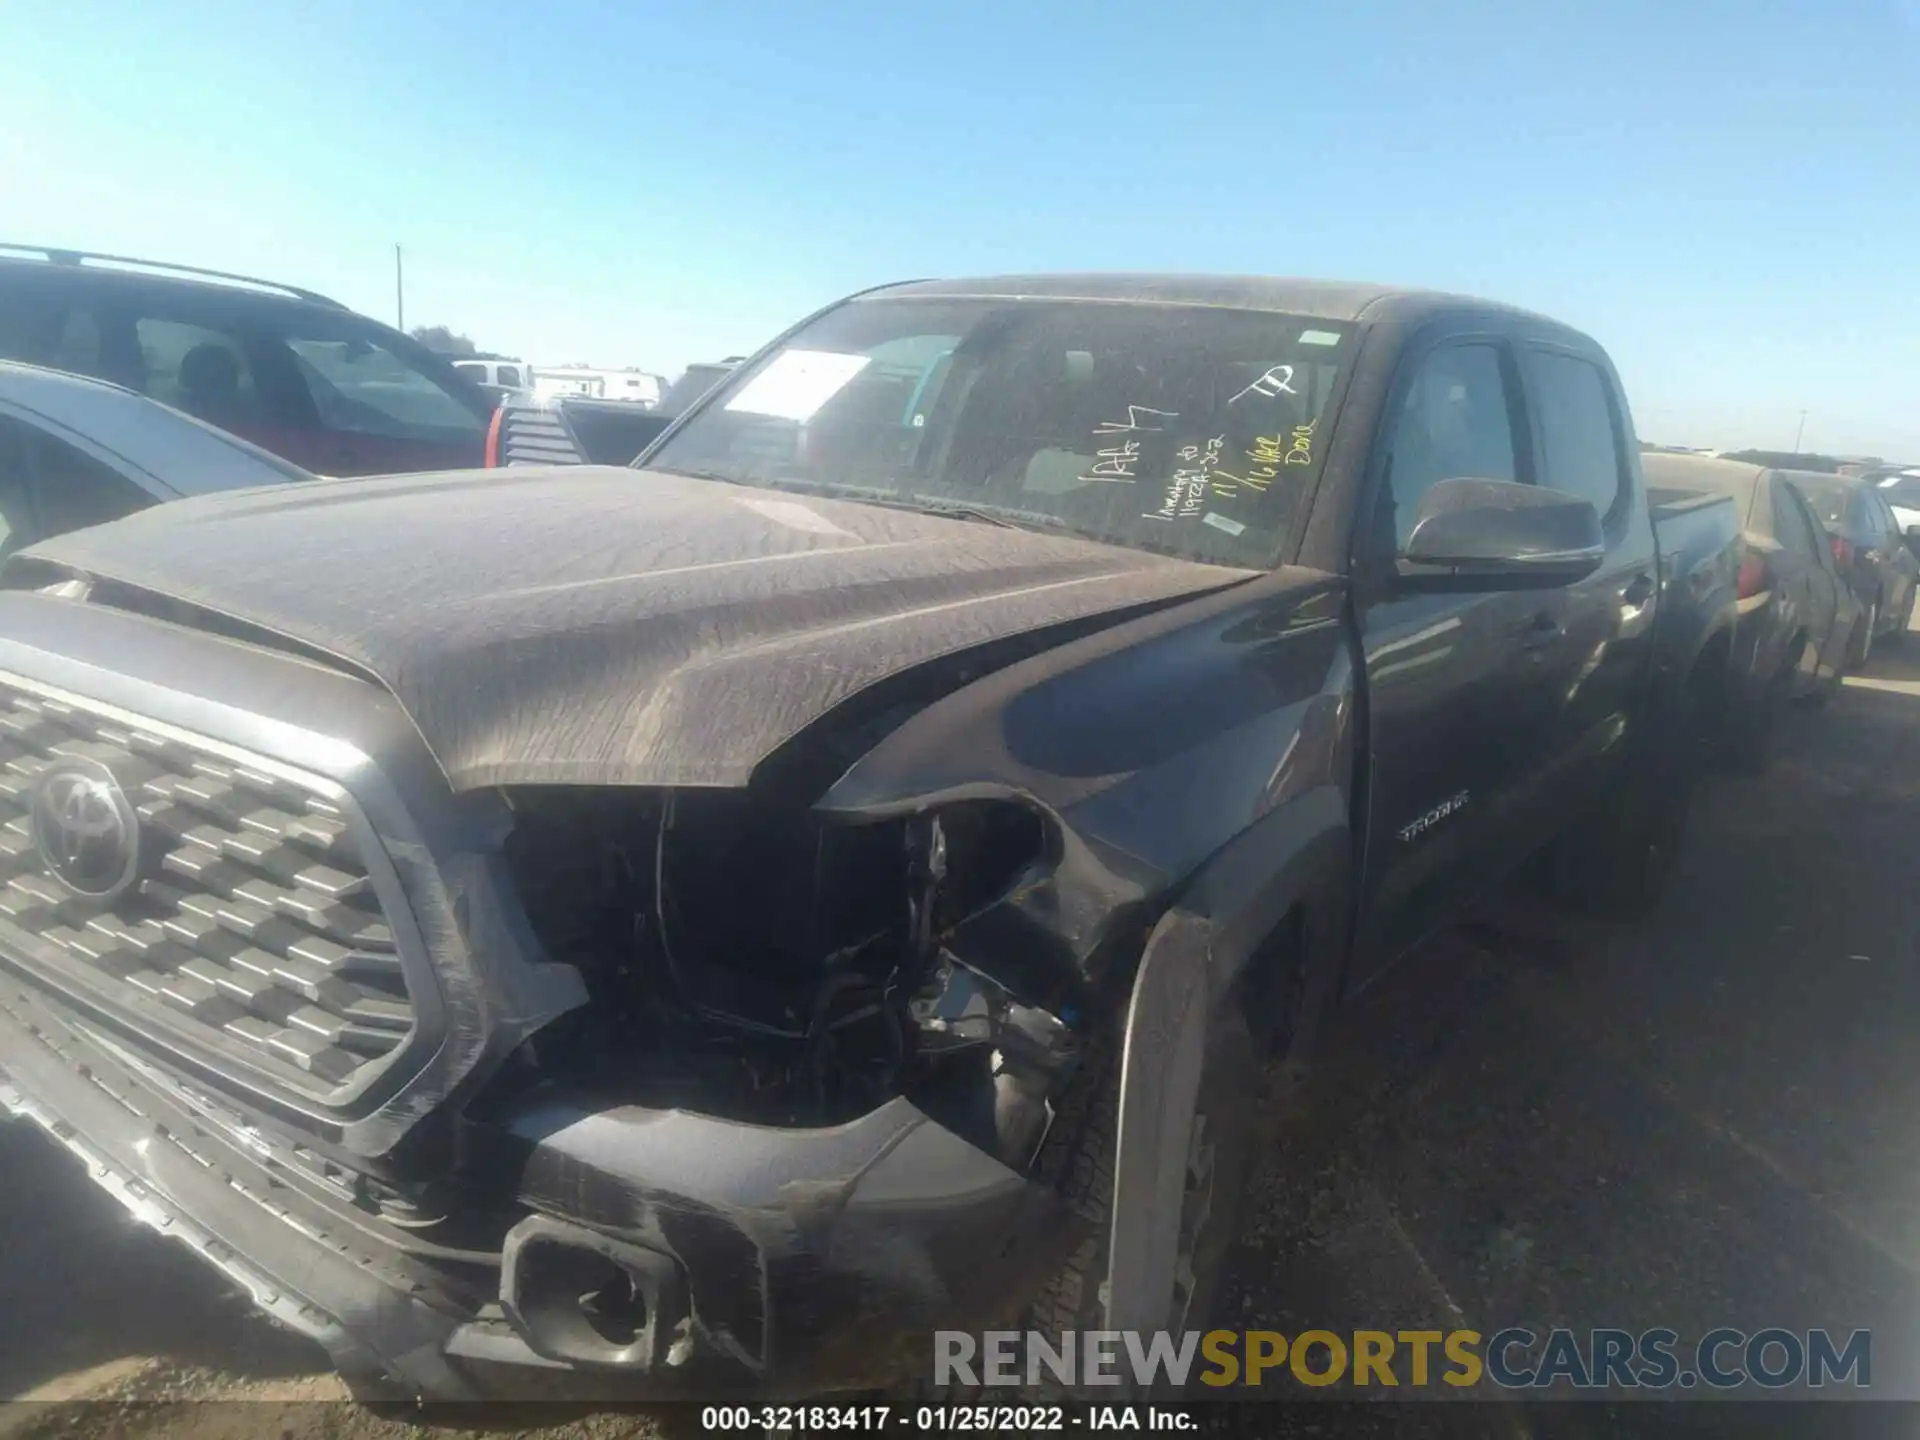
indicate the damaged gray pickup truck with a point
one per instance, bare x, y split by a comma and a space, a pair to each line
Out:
695, 928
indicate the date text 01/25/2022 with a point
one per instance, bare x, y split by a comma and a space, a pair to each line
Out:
923, 1419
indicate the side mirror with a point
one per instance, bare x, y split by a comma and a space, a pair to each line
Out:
1502, 535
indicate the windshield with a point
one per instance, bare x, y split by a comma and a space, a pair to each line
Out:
1189, 431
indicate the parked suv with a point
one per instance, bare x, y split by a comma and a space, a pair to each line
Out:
292, 371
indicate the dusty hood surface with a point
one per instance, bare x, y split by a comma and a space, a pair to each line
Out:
589, 624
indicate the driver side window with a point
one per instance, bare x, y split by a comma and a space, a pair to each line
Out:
1455, 421
362, 388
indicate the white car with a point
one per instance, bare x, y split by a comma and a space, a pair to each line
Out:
75, 452
1902, 494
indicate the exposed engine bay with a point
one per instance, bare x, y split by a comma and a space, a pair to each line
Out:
758, 962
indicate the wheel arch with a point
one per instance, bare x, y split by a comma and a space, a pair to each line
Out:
1269, 916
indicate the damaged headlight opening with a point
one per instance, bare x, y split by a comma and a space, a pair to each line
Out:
767, 964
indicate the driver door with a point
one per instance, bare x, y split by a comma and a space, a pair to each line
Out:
1462, 687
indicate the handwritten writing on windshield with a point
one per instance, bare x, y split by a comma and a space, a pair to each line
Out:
1277, 381
1137, 416
1186, 491
1266, 455
1116, 462
1119, 462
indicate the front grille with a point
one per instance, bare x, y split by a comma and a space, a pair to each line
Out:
534, 436
252, 921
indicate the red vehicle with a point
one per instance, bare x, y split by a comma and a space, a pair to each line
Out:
294, 372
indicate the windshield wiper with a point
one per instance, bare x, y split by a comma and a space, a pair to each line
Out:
892, 500
984, 514
634, 464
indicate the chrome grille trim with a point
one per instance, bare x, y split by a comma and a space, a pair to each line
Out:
260, 925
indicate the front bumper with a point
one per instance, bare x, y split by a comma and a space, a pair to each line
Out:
769, 1262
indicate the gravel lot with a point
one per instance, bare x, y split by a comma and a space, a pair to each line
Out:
1708, 1119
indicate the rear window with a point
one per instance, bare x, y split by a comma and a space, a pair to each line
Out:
1828, 499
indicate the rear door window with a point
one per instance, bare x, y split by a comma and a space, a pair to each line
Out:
360, 387
203, 371
1580, 439
78, 347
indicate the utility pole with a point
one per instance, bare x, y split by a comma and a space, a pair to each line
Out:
1801, 432
400, 294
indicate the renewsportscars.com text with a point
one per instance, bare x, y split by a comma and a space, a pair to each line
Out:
1512, 1359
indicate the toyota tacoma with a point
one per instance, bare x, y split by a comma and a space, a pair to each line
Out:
669, 933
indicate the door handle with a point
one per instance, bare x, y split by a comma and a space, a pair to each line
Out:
1543, 629
1639, 590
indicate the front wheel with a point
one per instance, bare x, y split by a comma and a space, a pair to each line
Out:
1080, 1155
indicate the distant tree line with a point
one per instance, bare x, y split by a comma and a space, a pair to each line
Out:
442, 341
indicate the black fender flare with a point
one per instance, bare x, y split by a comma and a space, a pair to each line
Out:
1299, 857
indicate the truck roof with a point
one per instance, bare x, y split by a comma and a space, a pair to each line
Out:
1320, 299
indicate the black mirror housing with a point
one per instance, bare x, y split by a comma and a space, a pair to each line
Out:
1500, 534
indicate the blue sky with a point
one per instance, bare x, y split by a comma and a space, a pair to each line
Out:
1725, 192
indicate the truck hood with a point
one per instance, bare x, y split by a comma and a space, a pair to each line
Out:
600, 625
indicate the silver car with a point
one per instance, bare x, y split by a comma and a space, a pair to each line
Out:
76, 452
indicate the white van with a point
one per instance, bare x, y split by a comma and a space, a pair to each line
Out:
638, 386
497, 374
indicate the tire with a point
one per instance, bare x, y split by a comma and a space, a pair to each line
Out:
1616, 864
1860, 650
1078, 1158
1824, 690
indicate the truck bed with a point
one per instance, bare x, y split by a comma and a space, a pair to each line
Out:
1668, 501
574, 430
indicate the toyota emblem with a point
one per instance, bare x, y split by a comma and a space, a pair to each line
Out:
85, 830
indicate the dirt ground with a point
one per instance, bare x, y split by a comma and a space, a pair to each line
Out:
1708, 1119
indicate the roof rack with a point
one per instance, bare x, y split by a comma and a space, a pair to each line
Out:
55, 255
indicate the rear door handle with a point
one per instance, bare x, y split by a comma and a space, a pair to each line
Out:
1639, 590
